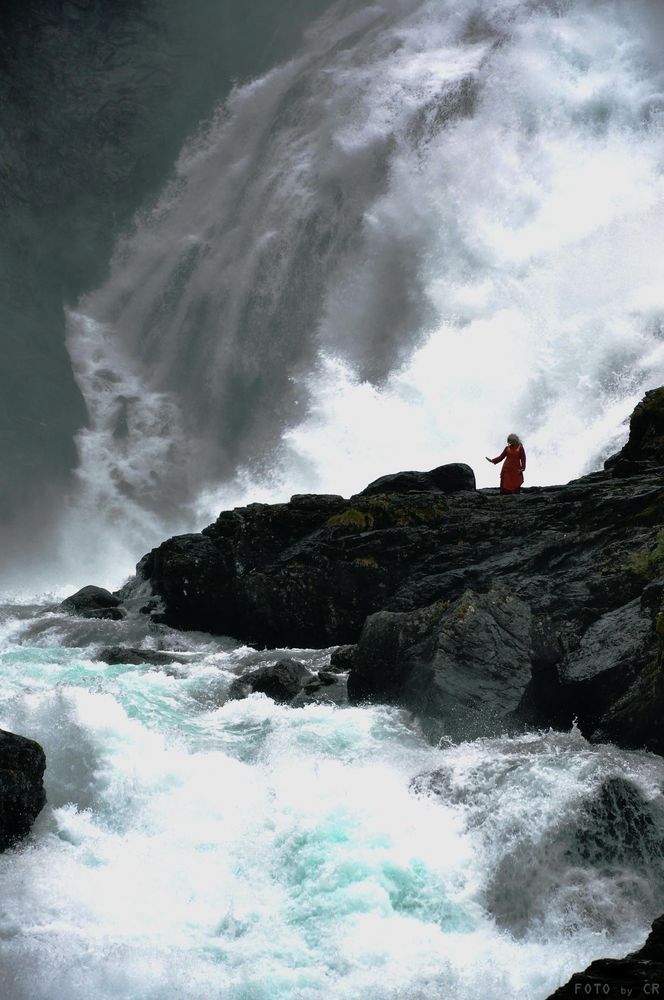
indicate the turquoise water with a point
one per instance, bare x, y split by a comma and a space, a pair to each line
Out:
194, 847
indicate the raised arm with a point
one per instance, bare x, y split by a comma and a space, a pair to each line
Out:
499, 457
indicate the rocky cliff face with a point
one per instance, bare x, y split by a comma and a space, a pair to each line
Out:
476, 611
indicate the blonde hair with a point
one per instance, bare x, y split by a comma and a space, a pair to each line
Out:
513, 439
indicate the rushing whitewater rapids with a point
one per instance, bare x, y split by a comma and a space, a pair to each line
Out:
439, 222
197, 848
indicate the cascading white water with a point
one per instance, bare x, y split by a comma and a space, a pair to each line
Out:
439, 223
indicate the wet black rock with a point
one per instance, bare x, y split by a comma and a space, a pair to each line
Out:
444, 479
328, 677
640, 974
305, 574
462, 666
645, 446
342, 659
93, 602
22, 796
130, 654
323, 689
475, 610
289, 682
280, 681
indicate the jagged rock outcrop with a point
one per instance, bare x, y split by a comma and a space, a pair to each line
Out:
640, 974
460, 666
645, 445
306, 573
22, 796
565, 584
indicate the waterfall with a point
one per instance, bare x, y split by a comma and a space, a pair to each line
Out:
438, 223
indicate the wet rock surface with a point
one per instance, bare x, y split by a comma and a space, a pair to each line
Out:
93, 602
289, 682
280, 681
129, 654
461, 666
22, 796
640, 974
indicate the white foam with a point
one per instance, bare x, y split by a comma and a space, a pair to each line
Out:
258, 850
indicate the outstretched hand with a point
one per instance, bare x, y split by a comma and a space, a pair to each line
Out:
489, 459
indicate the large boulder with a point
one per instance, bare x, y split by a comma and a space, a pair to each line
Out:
302, 574
93, 602
444, 479
22, 796
609, 678
639, 974
280, 681
462, 667
289, 682
132, 655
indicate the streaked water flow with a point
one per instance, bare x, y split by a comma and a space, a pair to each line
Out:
439, 222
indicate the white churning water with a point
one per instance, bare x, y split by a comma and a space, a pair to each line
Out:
196, 849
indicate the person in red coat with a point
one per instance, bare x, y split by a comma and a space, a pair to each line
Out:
514, 466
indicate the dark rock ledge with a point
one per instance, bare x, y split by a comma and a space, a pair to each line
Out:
22, 796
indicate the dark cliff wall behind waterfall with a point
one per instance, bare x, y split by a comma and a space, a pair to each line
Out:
96, 97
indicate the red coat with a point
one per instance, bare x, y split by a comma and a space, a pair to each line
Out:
511, 474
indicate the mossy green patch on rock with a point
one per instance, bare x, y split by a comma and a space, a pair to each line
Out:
466, 607
353, 518
384, 512
400, 515
647, 563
